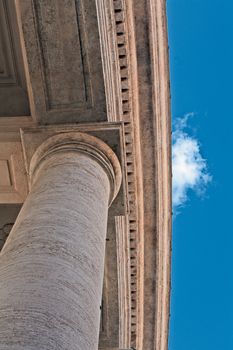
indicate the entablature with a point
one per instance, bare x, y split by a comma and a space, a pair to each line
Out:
102, 67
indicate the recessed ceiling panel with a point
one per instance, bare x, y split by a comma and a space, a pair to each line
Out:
64, 60
13, 91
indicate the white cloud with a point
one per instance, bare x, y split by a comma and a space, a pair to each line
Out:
188, 167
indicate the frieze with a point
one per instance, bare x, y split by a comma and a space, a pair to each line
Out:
124, 71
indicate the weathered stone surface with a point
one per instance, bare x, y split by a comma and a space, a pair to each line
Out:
12, 77
131, 37
62, 57
51, 267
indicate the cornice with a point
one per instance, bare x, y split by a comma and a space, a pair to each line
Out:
142, 50
152, 108
161, 104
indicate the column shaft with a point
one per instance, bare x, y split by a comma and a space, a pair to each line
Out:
51, 267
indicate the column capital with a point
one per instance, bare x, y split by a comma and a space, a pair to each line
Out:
79, 142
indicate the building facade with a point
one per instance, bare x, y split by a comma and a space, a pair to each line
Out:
85, 175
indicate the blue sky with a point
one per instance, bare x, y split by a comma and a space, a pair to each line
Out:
201, 66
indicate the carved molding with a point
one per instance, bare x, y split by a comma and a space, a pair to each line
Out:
140, 34
114, 49
161, 106
13, 180
109, 55
116, 59
150, 120
10, 127
124, 290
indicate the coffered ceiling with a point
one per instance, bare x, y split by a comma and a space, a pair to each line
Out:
12, 75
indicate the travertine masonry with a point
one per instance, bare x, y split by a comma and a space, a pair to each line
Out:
51, 267
98, 67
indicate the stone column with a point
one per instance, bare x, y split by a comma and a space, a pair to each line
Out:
51, 267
